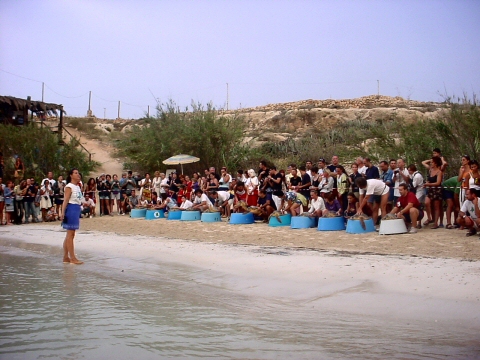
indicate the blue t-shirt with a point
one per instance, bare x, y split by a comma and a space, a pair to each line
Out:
263, 201
372, 173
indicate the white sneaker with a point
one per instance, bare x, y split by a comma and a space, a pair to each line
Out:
413, 230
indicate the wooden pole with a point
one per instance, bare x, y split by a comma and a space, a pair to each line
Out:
60, 126
119, 110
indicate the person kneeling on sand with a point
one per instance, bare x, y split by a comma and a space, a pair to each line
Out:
317, 205
201, 201
469, 215
223, 200
88, 206
332, 205
266, 204
294, 203
407, 208
51, 215
167, 203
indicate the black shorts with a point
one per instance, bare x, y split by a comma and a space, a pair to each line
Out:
409, 220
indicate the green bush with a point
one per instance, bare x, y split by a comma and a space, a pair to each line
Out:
40, 151
199, 131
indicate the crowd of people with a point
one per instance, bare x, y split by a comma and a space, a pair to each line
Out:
309, 189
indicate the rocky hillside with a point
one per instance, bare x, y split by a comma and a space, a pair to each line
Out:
278, 122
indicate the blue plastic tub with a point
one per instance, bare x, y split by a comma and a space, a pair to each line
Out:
286, 220
155, 214
211, 217
354, 226
138, 213
174, 215
302, 222
239, 218
331, 224
190, 216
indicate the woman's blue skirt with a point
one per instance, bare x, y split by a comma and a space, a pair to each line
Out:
72, 217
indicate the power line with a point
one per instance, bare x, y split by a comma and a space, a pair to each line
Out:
65, 96
22, 77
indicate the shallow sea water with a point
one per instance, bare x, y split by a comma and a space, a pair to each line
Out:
120, 309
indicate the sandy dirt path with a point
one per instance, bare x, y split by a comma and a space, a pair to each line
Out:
101, 152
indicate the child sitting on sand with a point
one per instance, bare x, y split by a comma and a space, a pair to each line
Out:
51, 215
143, 203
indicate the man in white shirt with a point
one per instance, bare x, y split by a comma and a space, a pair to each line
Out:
201, 201
401, 176
164, 185
317, 205
50, 179
416, 182
373, 187
470, 205
362, 169
327, 182
223, 199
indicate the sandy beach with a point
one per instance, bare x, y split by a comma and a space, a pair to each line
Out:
438, 243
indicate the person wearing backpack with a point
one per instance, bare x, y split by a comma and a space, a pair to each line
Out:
415, 183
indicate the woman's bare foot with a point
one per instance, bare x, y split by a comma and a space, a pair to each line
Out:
76, 262
66, 260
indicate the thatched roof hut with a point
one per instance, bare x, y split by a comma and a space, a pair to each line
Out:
14, 111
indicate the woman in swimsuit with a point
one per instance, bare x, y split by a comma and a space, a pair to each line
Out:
462, 174
472, 179
434, 192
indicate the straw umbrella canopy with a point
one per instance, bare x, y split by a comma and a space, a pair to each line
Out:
180, 160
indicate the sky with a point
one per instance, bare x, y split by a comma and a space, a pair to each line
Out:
147, 51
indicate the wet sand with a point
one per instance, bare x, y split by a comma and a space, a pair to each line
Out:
408, 302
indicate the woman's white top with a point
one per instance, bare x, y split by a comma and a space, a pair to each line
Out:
76, 197
156, 182
251, 184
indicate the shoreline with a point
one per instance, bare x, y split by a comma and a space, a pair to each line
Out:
439, 243
377, 300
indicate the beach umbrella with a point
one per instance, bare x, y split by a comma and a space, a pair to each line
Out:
180, 160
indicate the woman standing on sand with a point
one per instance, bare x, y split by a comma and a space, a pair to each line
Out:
70, 215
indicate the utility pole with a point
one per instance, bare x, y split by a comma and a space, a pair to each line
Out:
89, 112
43, 91
148, 111
378, 87
119, 110
227, 96
104, 113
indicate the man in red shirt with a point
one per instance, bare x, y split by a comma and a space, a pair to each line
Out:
407, 208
